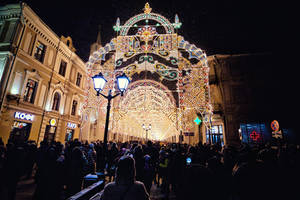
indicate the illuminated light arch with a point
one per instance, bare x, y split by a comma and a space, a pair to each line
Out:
194, 52
101, 53
160, 99
155, 84
155, 104
192, 85
169, 29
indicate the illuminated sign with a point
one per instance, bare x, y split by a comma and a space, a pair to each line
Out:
19, 124
71, 125
52, 122
26, 116
277, 134
254, 136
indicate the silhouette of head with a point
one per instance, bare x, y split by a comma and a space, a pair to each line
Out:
125, 173
149, 143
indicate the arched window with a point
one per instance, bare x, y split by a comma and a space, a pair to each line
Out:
56, 101
74, 106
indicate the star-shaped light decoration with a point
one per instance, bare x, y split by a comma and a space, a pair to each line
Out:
197, 121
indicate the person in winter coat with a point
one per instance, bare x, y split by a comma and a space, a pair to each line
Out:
125, 187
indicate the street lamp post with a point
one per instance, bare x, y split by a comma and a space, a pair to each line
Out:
147, 129
99, 83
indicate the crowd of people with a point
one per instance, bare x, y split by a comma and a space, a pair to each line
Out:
203, 171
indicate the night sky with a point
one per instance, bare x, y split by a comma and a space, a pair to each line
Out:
226, 27
216, 26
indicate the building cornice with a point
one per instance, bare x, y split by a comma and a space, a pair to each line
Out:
26, 107
37, 25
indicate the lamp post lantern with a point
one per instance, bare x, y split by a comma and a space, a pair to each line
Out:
147, 129
99, 83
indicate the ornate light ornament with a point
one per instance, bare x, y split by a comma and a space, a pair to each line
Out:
147, 8
117, 27
177, 23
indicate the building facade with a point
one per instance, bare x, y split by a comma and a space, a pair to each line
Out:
42, 79
249, 92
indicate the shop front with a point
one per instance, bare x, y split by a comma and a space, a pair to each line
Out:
214, 135
50, 130
21, 127
70, 131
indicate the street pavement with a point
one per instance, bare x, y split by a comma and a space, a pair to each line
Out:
26, 188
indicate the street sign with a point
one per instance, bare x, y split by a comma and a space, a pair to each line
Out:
277, 134
255, 136
275, 125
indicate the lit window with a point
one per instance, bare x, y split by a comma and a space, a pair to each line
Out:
74, 106
40, 50
215, 135
62, 68
78, 80
56, 101
30, 91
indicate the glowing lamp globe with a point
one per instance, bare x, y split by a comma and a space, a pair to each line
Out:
99, 82
123, 82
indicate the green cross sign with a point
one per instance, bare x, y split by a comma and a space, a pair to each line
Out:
198, 121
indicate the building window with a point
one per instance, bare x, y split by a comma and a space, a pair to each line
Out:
215, 135
74, 106
40, 50
78, 80
56, 101
30, 91
62, 68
